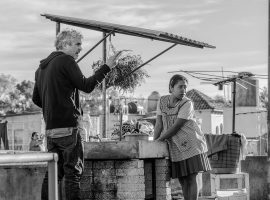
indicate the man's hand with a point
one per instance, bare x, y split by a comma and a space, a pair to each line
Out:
113, 60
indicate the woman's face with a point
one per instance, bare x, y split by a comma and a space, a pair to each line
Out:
36, 137
179, 89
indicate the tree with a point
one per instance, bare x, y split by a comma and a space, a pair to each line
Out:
17, 97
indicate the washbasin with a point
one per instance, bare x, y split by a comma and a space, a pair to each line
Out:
140, 149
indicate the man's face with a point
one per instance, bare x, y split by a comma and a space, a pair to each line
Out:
73, 49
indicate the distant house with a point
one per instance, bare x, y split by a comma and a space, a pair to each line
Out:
208, 112
20, 127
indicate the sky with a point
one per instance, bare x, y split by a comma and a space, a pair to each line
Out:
238, 29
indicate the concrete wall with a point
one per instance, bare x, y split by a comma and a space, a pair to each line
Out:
258, 169
216, 123
210, 120
20, 128
102, 180
21, 182
205, 116
252, 121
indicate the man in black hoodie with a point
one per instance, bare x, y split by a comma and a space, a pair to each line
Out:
57, 83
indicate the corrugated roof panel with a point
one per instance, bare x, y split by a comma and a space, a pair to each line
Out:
127, 30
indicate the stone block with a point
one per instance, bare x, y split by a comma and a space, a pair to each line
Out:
130, 172
123, 187
130, 179
108, 164
105, 195
127, 164
163, 184
162, 162
131, 195
162, 170
86, 182
88, 164
103, 172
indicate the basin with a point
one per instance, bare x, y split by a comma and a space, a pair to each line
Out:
140, 149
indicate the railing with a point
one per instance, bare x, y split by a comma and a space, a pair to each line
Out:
51, 158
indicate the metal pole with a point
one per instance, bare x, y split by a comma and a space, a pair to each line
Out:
104, 38
103, 124
233, 115
154, 58
268, 104
53, 178
57, 27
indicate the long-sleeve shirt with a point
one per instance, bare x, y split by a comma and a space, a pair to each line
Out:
57, 83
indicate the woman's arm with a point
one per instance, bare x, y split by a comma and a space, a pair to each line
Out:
179, 122
158, 127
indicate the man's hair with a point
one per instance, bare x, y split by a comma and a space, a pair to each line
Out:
66, 37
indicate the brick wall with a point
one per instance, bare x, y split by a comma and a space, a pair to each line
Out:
127, 180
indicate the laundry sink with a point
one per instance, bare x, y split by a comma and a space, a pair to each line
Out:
140, 149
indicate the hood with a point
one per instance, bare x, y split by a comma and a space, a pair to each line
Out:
44, 63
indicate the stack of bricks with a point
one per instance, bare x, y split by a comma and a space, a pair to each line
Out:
125, 180
130, 179
162, 172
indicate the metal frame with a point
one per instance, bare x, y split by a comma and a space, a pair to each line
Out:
51, 158
110, 28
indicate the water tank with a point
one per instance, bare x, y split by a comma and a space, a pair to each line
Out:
152, 101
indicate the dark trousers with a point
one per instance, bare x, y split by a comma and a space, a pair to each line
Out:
70, 164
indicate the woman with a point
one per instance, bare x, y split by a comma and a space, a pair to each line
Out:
36, 143
187, 146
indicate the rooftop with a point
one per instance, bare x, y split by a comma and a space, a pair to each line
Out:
203, 102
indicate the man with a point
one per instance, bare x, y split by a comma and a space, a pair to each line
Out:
57, 82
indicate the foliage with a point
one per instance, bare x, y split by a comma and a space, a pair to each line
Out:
120, 77
264, 97
16, 97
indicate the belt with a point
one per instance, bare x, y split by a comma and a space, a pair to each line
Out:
59, 132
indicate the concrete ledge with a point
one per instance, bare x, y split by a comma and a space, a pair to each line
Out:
125, 150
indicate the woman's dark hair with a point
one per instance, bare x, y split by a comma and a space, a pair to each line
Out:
175, 79
33, 134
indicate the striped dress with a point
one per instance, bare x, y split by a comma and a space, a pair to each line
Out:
188, 146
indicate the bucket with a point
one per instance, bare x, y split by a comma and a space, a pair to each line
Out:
224, 153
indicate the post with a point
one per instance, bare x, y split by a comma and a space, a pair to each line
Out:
57, 27
53, 179
268, 104
233, 115
103, 121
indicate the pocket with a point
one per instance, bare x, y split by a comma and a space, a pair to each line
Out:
68, 142
182, 141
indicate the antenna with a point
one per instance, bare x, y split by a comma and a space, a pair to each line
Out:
240, 76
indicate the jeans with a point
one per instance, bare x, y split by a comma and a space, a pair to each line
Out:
70, 164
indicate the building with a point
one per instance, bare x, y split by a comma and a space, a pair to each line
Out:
209, 113
20, 128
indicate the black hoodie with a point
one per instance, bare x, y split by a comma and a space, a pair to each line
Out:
57, 81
